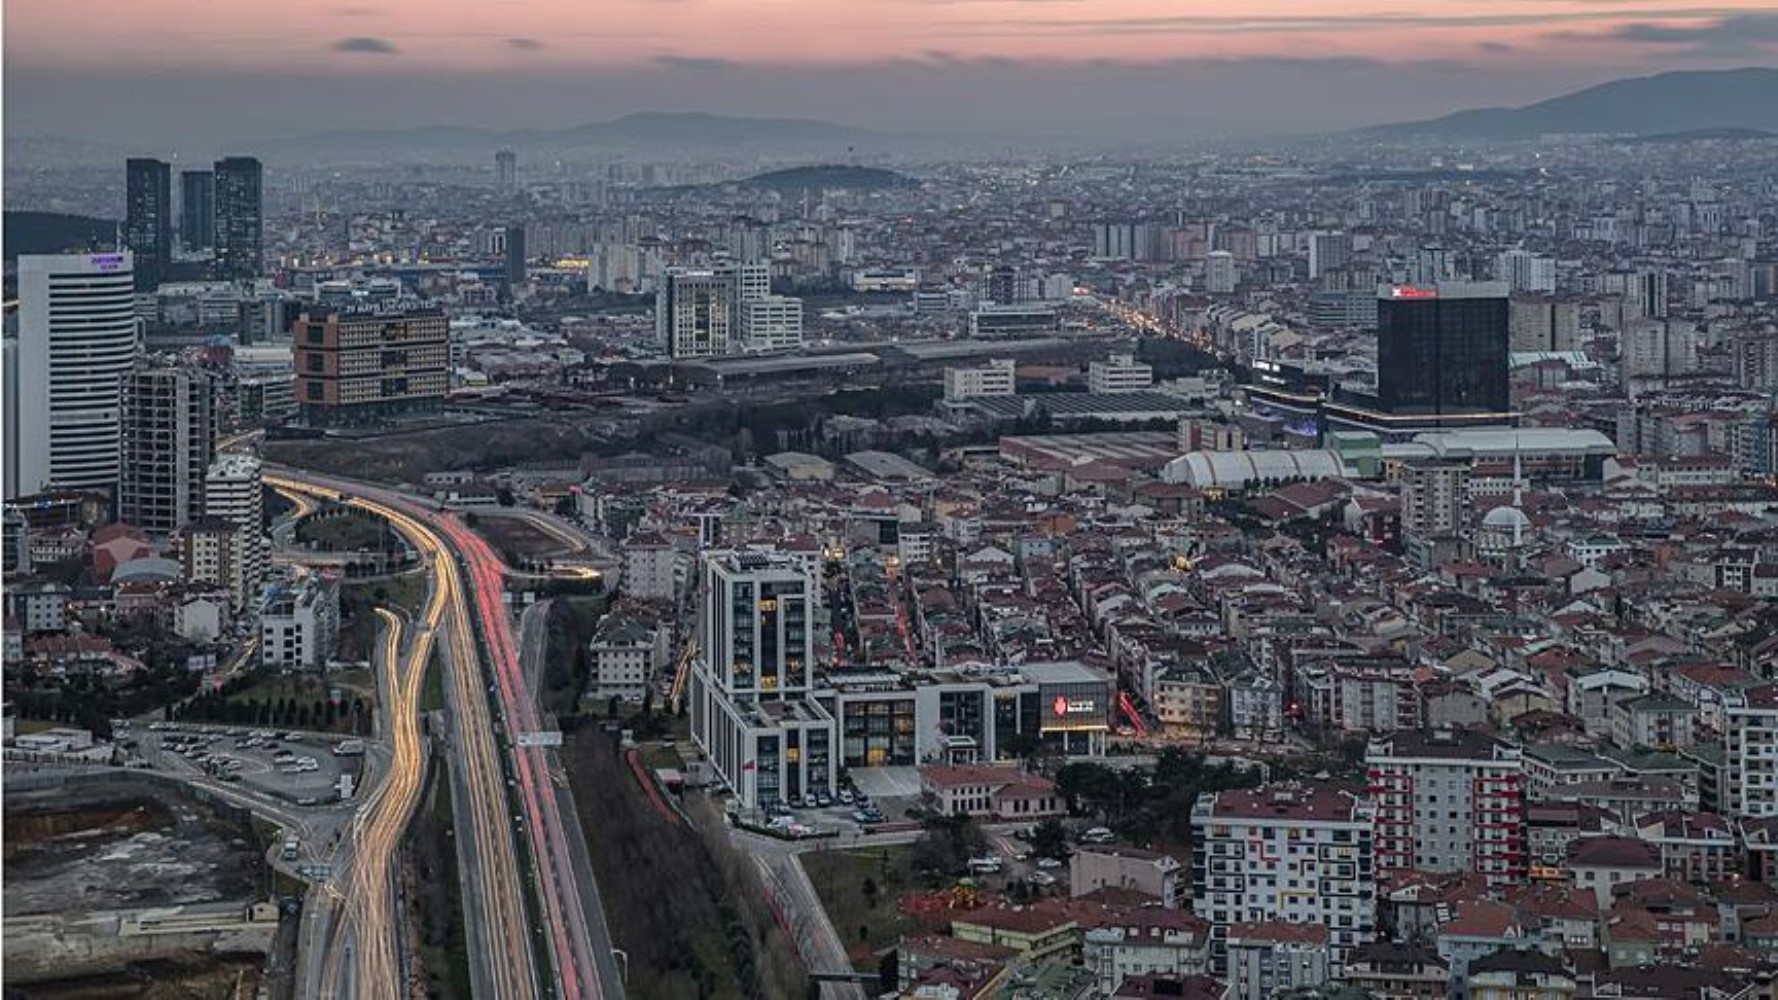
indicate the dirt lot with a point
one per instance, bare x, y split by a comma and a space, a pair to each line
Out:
92, 850
518, 540
197, 977
408, 457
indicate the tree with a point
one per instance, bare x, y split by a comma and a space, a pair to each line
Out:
869, 891
1049, 839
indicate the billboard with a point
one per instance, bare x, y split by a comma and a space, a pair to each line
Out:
1073, 707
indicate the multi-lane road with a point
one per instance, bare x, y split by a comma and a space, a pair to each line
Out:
500, 946
469, 579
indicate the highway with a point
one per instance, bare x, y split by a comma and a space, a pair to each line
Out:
502, 962
582, 965
370, 888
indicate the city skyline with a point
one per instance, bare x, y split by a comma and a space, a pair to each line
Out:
1031, 68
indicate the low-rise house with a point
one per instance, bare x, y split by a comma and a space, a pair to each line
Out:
1146, 940
997, 792
1514, 974
1601, 864
1395, 971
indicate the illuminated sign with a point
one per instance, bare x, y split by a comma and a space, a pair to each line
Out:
106, 261
1410, 292
1065, 706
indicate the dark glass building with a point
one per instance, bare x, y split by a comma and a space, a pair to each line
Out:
1442, 349
197, 209
240, 239
515, 254
148, 219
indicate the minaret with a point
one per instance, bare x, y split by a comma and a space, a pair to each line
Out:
1518, 495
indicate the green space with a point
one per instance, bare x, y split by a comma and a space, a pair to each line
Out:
432, 864
301, 701
858, 889
359, 624
567, 662
347, 529
713, 937
432, 692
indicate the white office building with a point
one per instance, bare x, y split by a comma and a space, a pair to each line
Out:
771, 323
1119, 373
1328, 252
77, 342
998, 377
750, 692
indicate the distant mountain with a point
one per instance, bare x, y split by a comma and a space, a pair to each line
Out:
1651, 105
648, 130
54, 232
818, 178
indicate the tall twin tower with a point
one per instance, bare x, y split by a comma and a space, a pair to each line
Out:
220, 210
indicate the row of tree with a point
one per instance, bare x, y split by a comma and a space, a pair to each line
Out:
320, 713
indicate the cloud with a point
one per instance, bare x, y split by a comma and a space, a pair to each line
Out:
694, 62
365, 44
1737, 35
524, 44
1495, 47
1262, 24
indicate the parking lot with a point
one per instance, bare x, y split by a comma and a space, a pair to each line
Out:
300, 767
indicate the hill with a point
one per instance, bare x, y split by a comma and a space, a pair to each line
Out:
54, 232
1652, 105
824, 176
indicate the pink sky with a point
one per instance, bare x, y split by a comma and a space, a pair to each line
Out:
378, 36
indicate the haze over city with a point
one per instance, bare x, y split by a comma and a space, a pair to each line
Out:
1055, 69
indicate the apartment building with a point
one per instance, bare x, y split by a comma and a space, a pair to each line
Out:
1448, 800
1297, 854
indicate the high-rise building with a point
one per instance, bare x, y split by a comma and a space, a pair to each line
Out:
506, 170
1115, 240
1542, 323
76, 343
1448, 801
1434, 498
1295, 854
1219, 272
515, 254
234, 496
361, 366
240, 218
1328, 252
1524, 271
197, 209
169, 440
1432, 265
751, 710
1442, 349
692, 311
148, 219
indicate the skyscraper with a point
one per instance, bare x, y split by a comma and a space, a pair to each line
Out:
76, 342
692, 313
169, 440
1328, 252
506, 170
197, 209
1442, 349
240, 208
148, 218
